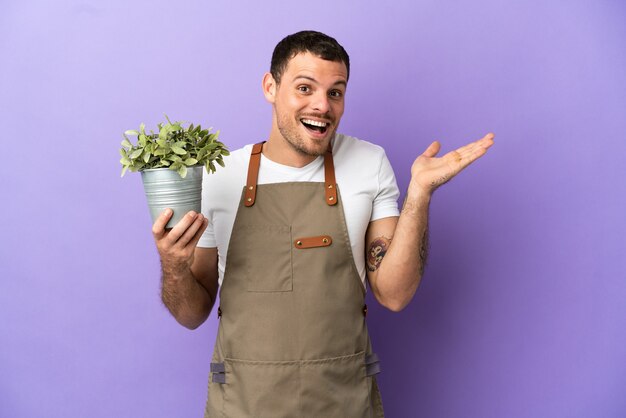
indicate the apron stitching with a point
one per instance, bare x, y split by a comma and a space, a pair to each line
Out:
295, 362
344, 229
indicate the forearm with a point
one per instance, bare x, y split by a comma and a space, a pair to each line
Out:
402, 265
188, 301
401, 269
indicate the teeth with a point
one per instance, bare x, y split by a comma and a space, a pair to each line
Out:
314, 123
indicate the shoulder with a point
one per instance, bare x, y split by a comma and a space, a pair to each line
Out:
351, 153
231, 176
233, 163
238, 157
345, 145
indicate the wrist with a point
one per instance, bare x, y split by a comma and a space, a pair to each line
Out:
175, 271
416, 202
418, 193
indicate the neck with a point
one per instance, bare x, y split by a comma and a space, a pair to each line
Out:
282, 152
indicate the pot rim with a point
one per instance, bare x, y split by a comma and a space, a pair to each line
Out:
167, 168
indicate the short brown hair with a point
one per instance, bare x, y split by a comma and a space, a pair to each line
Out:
316, 43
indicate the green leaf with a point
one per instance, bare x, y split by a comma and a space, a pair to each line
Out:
175, 158
124, 170
164, 162
178, 150
146, 156
201, 142
126, 143
220, 162
161, 151
124, 160
136, 153
182, 171
190, 161
131, 132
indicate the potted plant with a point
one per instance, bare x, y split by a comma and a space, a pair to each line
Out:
171, 164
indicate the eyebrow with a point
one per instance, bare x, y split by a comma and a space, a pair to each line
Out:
339, 82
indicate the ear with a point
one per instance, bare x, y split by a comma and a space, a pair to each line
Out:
269, 87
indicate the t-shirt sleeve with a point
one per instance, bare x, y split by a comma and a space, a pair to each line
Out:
386, 200
207, 240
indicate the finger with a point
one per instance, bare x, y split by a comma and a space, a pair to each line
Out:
475, 149
432, 149
458, 161
191, 232
196, 238
158, 228
485, 142
182, 226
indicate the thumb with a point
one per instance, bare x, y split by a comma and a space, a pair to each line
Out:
432, 149
158, 228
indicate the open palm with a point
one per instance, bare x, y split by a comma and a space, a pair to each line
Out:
429, 172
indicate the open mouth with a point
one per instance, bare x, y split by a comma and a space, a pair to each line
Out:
314, 125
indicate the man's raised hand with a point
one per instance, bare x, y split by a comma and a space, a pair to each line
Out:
429, 172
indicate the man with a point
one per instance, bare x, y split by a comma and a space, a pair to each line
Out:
316, 218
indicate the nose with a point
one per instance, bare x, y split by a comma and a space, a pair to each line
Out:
321, 103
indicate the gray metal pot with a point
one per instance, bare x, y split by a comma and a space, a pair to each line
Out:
166, 189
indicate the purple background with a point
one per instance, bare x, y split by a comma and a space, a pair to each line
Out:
522, 312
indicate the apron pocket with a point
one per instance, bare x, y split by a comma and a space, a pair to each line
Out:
268, 258
331, 388
335, 387
263, 389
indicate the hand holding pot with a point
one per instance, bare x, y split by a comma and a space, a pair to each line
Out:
176, 246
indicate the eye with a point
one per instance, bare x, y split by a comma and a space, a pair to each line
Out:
304, 89
335, 93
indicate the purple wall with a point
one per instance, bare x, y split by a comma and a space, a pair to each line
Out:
522, 312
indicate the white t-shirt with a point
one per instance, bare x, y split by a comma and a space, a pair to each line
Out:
364, 177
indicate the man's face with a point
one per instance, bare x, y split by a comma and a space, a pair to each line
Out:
309, 102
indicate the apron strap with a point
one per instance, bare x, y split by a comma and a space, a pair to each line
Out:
253, 174
329, 177
330, 183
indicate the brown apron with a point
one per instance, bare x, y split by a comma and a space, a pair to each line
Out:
292, 340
